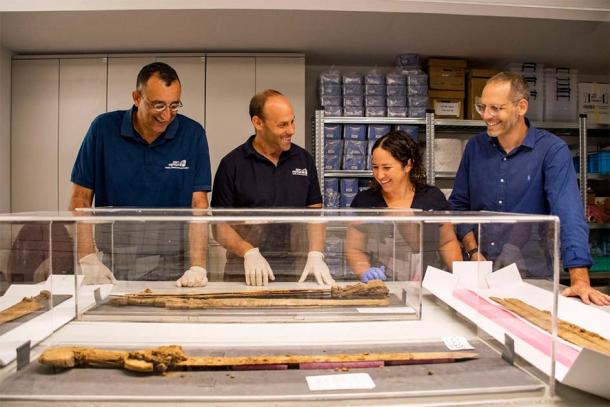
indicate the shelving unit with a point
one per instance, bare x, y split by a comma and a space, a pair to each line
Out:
457, 128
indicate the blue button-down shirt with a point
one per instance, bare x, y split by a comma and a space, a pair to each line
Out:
538, 177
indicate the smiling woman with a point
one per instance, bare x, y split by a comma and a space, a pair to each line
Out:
398, 183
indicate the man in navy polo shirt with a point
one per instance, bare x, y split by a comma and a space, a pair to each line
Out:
514, 167
148, 156
268, 170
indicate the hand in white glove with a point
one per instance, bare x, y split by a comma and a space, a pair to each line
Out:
258, 271
95, 271
316, 266
196, 276
510, 254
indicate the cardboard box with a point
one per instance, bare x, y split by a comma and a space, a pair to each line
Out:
476, 82
447, 74
593, 100
447, 104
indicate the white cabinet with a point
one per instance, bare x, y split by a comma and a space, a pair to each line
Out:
229, 87
122, 75
34, 127
82, 97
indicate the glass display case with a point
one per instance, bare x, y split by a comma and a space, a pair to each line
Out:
113, 274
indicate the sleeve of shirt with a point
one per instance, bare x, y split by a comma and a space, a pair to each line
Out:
223, 192
562, 194
314, 195
202, 181
83, 171
459, 200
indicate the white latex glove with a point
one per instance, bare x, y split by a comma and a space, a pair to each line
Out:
95, 271
316, 266
258, 271
510, 254
196, 276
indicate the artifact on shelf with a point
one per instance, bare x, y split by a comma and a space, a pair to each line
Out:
372, 293
26, 306
172, 357
565, 330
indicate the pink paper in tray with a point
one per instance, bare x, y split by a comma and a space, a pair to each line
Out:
341, 365
566, 355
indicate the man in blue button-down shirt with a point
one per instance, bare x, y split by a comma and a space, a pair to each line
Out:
514, 167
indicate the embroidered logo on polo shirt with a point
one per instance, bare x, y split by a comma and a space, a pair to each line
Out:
177, 165
300, 171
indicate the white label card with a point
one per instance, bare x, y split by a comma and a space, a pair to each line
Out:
457, 343
340, 382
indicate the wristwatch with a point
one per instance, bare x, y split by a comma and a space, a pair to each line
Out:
471, 252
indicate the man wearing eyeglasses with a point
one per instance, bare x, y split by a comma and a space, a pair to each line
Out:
148, 157
514, 167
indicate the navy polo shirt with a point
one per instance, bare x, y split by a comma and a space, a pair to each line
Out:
538, 177
124, 170
247, 179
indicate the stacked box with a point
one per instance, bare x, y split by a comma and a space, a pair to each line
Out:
477, 78
330, 91
412, 131
333, 147
347, 198
376, 131
353, 101
374, 95
396, 91
332, 196
446, 79
354, 132
447, 74
560, 94
593, 101
333, 131
447, 103
354, 147
348, 185
533, 74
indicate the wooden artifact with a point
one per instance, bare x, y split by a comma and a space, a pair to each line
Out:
26, 306
565, 330
373, 293
172, 357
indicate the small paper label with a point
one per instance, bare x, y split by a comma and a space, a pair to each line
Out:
457, 343
340, 382
386, 310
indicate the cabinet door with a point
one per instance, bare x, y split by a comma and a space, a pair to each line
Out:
287, 75
229, 86
82, 97
34, 128
191, 71
122, 75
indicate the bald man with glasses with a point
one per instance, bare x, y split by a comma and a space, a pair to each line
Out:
515, 167
146, 157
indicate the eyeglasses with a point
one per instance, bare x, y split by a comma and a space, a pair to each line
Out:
494, 110
159, 107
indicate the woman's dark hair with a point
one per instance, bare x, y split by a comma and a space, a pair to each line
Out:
402, 148
167, 74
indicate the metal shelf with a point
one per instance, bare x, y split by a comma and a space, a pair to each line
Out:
375, 120
445, 174
348, 174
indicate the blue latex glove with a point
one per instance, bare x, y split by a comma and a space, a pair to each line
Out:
373, 273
